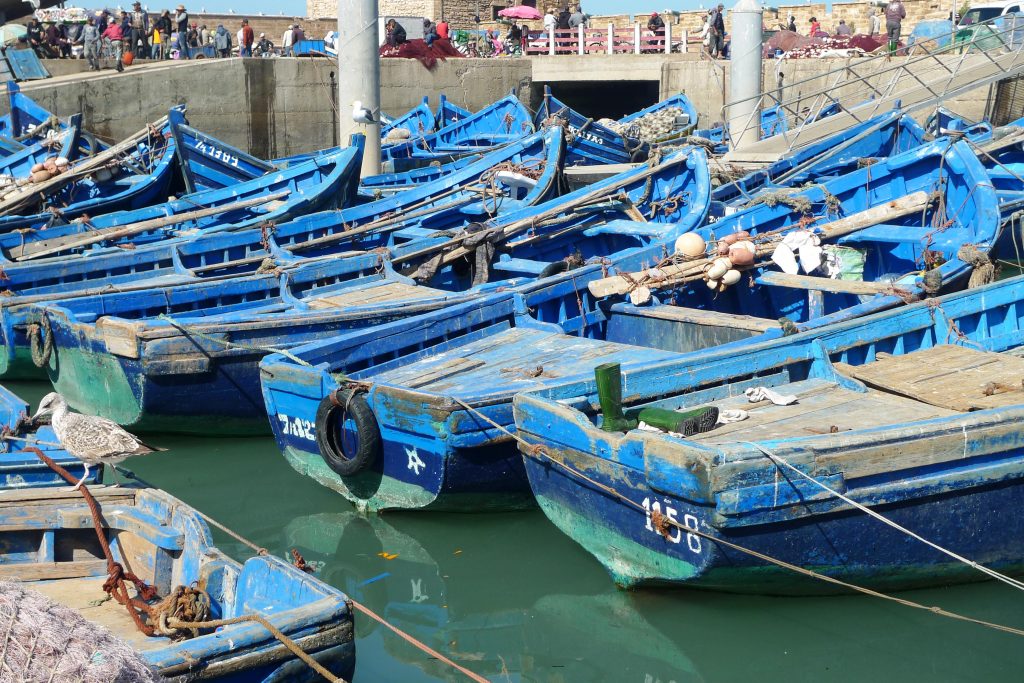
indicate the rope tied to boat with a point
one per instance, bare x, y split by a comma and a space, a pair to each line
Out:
40, 341
190, 331
185, 606
983, 269
538, 452
268, 266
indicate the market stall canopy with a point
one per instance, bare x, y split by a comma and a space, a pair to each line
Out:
520, 12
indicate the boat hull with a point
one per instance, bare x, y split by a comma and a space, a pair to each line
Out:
848, 545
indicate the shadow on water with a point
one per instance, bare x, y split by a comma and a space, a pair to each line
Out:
509, 597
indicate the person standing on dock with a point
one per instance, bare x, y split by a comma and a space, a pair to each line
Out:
181, 21
716, 47
162, 28
895, 13
115, 37
140, 31
287, 40
248, 38
91, 44
222, 41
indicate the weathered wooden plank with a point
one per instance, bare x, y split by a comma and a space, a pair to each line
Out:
701, 317
822, 284
57, 570
929, 396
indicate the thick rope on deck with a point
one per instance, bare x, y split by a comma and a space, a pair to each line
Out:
984, 271
45, 641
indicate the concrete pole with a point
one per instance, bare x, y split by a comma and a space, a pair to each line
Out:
743, 110
359, 76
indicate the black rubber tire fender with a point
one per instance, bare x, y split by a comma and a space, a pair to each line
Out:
347, 403
554, 268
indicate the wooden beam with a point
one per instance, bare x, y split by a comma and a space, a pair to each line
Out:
822, 284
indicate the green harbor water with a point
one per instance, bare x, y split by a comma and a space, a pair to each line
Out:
509, 597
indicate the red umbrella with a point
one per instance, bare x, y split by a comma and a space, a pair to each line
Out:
520, 12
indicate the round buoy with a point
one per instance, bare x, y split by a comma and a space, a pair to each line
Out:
691, 244
128, 58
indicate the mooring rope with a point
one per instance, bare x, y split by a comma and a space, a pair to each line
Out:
536, 451
885, 520
189, 330
367, 611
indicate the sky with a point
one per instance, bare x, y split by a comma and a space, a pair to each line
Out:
298, 7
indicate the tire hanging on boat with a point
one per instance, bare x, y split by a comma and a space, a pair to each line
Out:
40, 341
334, 410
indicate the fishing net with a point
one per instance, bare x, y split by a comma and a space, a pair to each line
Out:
649, 127
417, 49
45, 641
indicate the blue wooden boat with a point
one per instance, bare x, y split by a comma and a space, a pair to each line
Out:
589, 142
418, 121
21, 469
167, 545
382, 184
67, 142
25, 119
208, 163
156, 361
389, 223
893, 411
882, 136
420, 374
499, 123
448, 113
321, 183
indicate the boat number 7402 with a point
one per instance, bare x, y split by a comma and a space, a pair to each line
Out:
662, 521
295, 426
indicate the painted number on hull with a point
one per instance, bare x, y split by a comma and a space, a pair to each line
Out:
663, 522
214, 152
293, 426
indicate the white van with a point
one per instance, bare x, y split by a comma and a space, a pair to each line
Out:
979, 14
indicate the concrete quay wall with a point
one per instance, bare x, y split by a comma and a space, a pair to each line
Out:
279, 107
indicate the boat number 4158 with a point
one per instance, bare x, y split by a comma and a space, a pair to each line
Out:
662, 521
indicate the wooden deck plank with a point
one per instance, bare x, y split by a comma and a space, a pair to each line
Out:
79, 593
386, 291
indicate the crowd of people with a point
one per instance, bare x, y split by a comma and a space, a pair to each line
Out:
111, 35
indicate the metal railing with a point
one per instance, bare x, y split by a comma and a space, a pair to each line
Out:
635, 39
977, 55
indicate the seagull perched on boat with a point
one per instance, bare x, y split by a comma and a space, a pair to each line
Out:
361, 114
93, 440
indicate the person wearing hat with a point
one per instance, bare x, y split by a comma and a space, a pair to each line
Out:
181, 22
287, 40
139, 31
264, 47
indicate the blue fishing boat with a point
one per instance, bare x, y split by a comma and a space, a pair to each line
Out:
167, 545
499, 123
882, 136
688, 117
140, 176
908, 412
417, 122
321, 183
426, 210
66, 142
21, 469
214, 335
590, 142
428, 385
25, 119
208, 163
448, 113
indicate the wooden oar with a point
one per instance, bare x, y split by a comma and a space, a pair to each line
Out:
47, 247
510, 229
670, 275
15, 200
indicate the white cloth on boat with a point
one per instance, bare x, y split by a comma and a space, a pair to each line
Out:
799, 249
732, 415
755, 394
